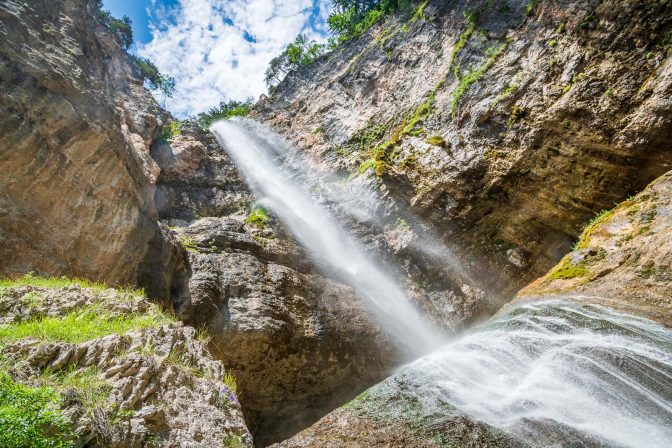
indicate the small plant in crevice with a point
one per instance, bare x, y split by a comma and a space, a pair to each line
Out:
258, 217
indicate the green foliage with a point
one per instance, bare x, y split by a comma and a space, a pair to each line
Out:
81, 325
233, 441
574, 80
258, 217
224, 111
122, 29
171, 130
29, 417
154, 78
516, 114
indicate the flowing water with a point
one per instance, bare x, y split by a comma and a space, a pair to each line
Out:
554, 373
279, 184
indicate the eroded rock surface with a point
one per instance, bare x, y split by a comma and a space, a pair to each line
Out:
160, 385
504, 125
623, 259
76, 124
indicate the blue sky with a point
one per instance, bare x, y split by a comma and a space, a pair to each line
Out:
217, 49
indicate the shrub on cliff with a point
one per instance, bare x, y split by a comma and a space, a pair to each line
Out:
300, 53
224, 111
154, 78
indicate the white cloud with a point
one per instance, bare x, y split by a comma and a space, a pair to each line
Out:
203, 45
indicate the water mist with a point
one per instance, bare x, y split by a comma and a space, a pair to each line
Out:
257, 154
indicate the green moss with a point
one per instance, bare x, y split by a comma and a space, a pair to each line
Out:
258, 217
567, 270
436, 140
552, 43
574, 80
419, 13
529, 9
29, 417
473, 76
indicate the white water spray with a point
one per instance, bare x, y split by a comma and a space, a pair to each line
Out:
557, 373
256, 153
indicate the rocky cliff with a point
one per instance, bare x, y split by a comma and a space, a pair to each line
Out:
77, 178
490, 130
506, 125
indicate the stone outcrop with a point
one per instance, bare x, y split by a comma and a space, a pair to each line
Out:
76, 124
505, 125
623, 259
155, 385
298, 342
391, 414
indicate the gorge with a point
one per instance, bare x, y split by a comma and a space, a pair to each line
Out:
451, 230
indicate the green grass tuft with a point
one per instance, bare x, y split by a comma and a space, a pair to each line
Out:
81, 325
60, 282
600, 218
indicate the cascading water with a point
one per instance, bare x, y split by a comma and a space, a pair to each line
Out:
257, 154
557, 373
554, 373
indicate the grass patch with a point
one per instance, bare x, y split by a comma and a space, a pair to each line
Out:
31, 279
258, 217
190, 245
29, 417
588, 230
88, 382
81, 325
230, 380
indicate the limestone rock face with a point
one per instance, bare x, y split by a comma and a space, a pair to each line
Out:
160, 384
504, 126
76, 124
623, 259
299, 343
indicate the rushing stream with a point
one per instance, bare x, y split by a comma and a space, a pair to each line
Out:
554, 373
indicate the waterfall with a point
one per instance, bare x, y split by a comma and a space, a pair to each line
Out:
280, 183
557, 373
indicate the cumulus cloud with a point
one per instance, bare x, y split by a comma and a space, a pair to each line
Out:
219, 49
